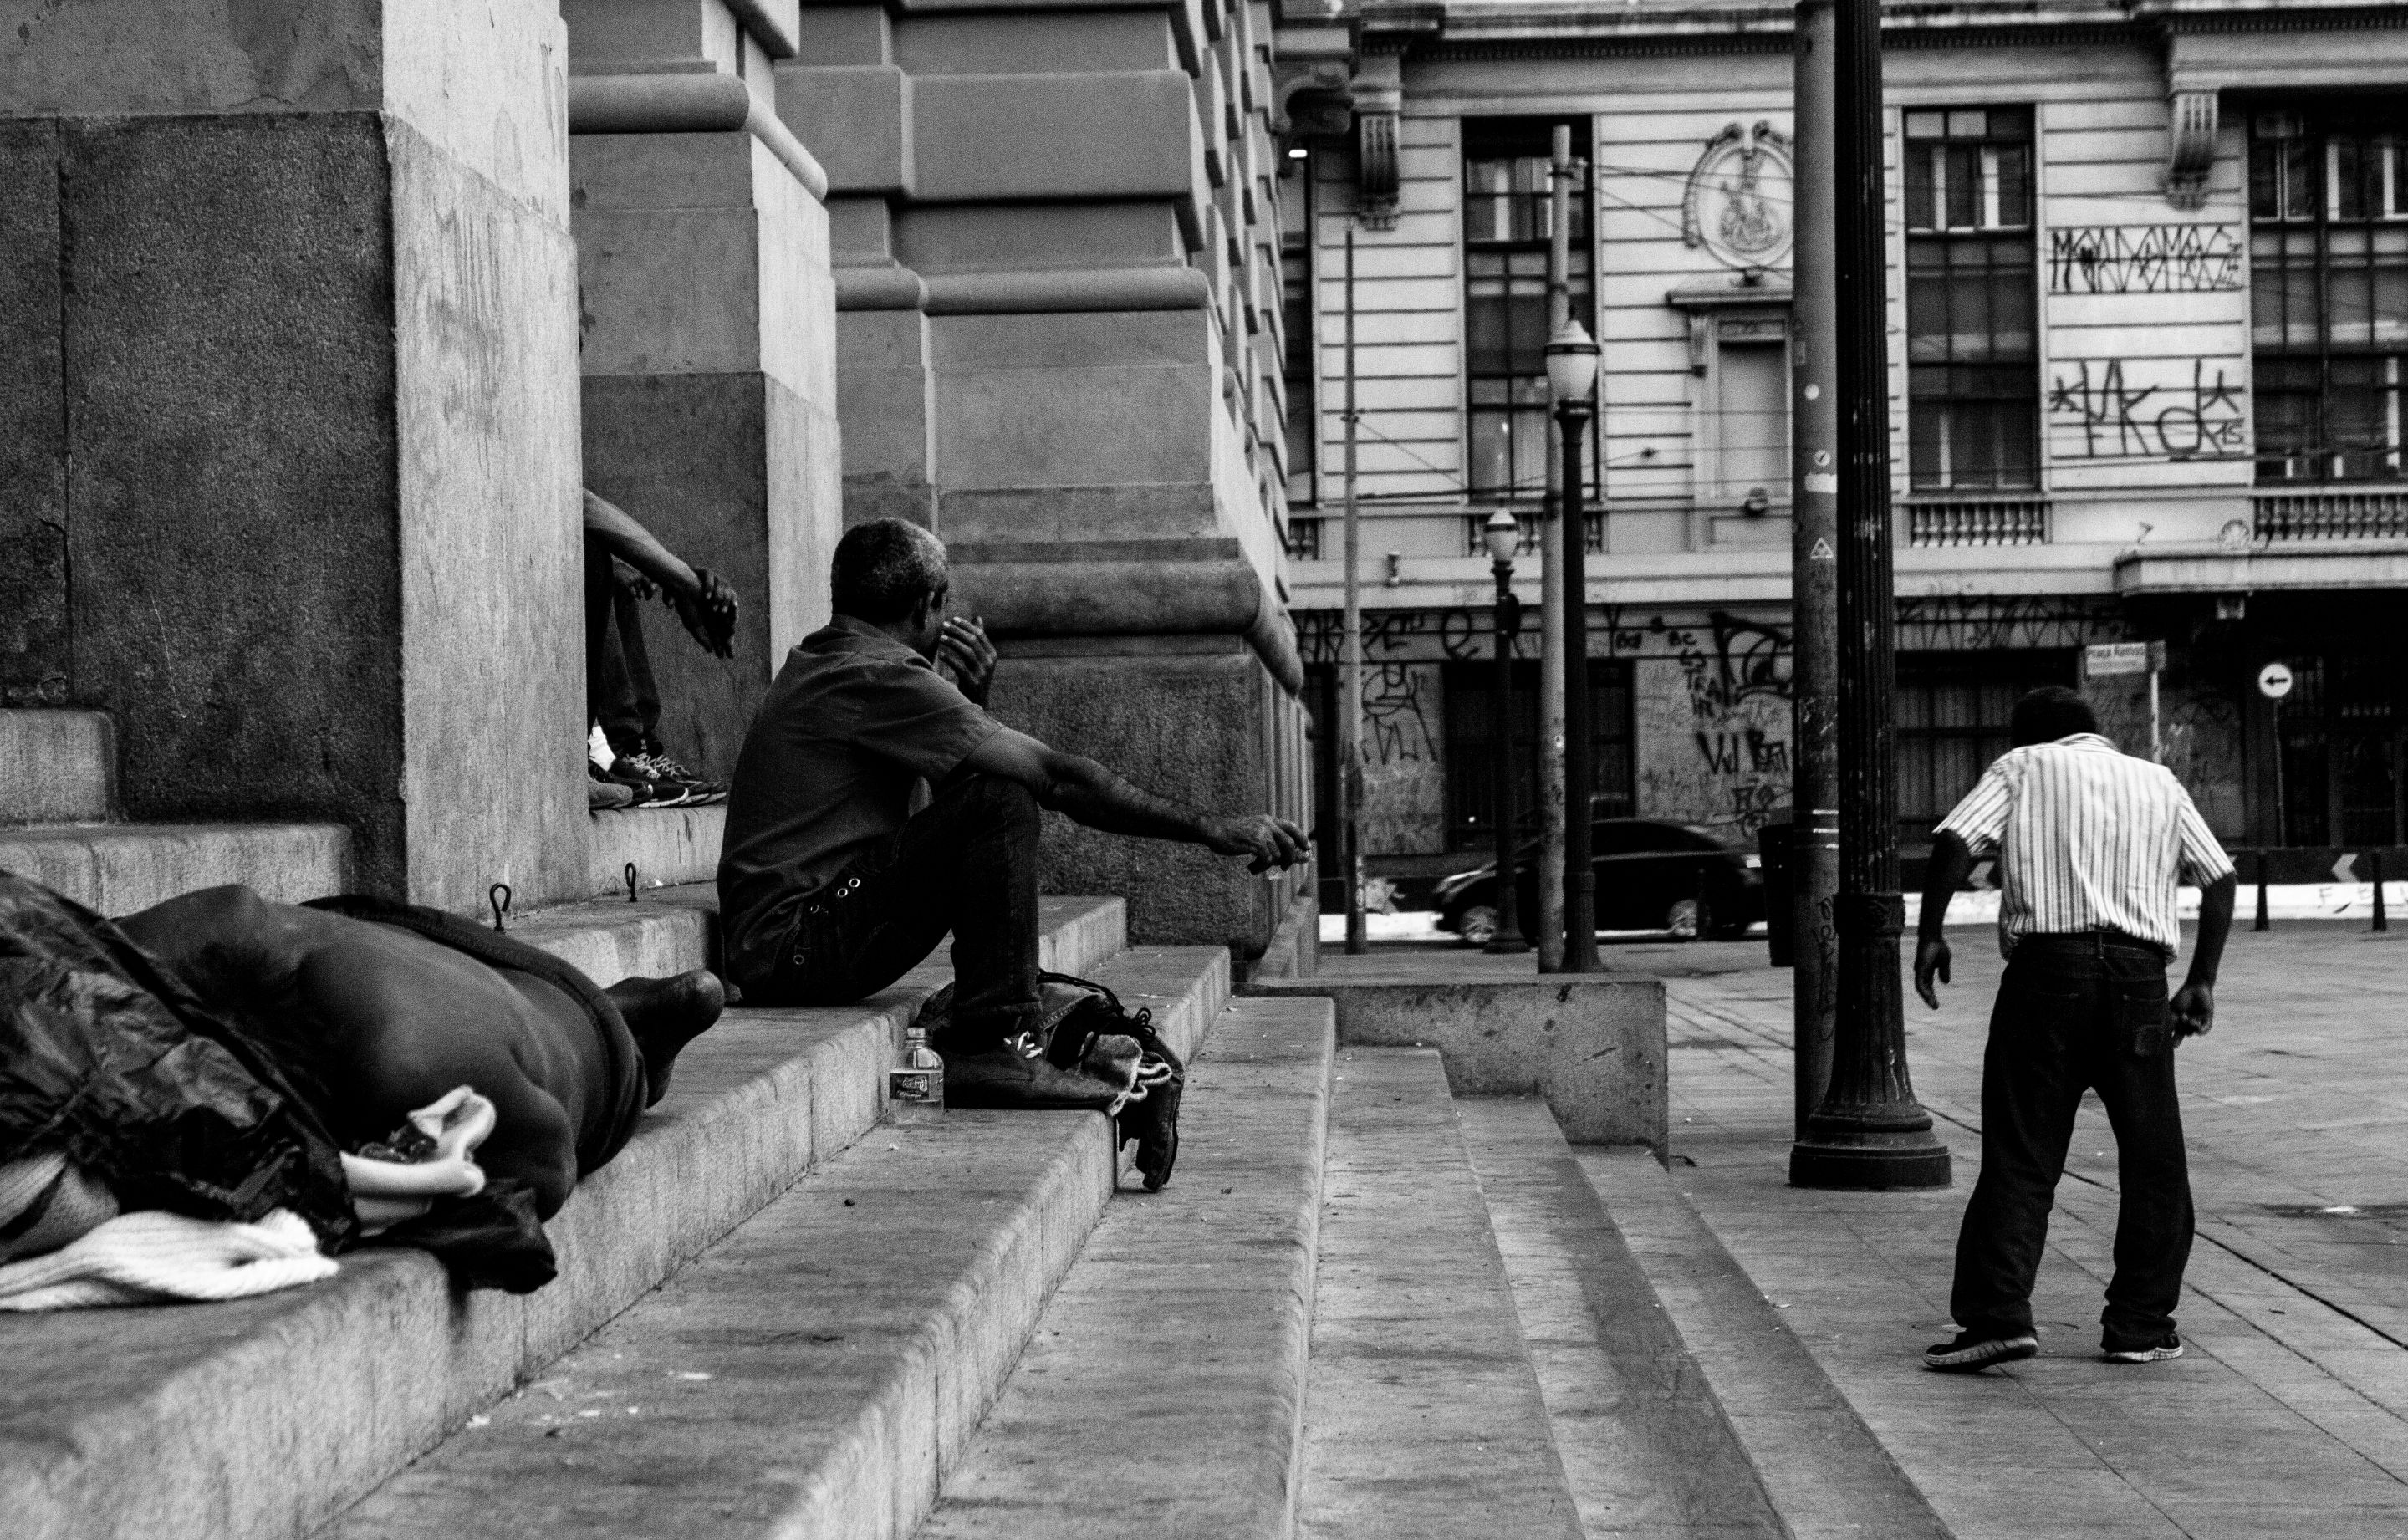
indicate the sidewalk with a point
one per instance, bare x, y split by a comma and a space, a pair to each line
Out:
2288, 1414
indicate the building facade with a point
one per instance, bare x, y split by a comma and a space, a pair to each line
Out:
2148, 306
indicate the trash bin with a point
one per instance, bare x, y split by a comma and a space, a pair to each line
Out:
1775, 841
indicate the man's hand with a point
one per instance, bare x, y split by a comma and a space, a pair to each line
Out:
2193, 1010
965, 653
1269, 841
709, 611
1931, 961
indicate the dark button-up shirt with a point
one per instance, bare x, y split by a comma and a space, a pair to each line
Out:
851, 725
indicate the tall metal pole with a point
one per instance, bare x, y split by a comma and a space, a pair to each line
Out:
1869, 1132
1349, 709
1549, 918
1508, 939
1814, 566
1579, 876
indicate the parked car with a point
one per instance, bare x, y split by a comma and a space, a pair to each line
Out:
1680, 878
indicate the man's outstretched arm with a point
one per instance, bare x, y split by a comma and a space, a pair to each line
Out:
1092, 795
1951, 860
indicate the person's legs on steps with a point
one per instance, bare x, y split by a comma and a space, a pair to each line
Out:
967, 863
633, 728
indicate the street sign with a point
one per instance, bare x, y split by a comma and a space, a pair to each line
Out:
2347, 868
2274, 681
2109, 659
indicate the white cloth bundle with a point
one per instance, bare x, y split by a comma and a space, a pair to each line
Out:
152, 1257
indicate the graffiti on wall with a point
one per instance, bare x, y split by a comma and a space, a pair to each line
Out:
1982, 623
1404, 771
2143, 259
1713, 726
2100, 410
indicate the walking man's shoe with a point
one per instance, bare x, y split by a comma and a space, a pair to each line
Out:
1971, 1354
2169, 1345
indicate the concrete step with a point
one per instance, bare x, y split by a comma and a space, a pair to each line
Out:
119, 868
56, 767
1163, 1391
1644, 1444
816, 1371
268, 1416
1825, 1471
666, 846
1424, 1415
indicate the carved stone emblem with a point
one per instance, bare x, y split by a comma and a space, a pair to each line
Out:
1739, 197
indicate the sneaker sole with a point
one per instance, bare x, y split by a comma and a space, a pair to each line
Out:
1966, 1360
2143, 1355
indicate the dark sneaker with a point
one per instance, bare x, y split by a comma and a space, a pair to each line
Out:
651, 789
602, 794
658, 765
1003, 1076
1971, 1354
2169, 1345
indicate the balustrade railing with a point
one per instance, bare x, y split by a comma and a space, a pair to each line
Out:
2332, 515
1977, 521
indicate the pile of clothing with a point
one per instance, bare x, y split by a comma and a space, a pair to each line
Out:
184, 1110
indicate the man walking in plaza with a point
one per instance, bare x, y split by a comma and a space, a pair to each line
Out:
2090, 845
831, 887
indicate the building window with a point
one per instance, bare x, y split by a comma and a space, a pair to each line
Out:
1952, 711
2328, 287
1971, 350
1470, 745
1297, 361
1508, 214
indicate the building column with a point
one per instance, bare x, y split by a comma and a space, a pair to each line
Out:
295, 301
1051, 227
707, 332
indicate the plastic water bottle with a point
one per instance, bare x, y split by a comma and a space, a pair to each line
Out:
915, 1089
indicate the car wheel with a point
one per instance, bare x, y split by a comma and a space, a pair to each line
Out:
1689, 919
1479, 927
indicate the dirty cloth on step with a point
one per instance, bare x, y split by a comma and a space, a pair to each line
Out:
156, 1258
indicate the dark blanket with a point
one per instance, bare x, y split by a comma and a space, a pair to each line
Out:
113, 1058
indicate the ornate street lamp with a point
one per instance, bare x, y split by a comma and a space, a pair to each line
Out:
1504, 536
1571, 377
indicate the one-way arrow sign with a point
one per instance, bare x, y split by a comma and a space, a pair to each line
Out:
2346, 867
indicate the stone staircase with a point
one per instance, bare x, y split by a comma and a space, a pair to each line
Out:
1365, 1305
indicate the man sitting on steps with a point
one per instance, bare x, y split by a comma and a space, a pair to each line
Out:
831, 887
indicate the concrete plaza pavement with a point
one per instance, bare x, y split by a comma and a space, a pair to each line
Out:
2288, 1414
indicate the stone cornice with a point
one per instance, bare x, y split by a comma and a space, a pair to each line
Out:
1535, 30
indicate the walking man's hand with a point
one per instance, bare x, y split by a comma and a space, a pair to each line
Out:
2193, 1010
1269, 841
1930, 958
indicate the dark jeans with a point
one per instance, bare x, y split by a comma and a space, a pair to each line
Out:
619, 689
967, 863
2077, 1012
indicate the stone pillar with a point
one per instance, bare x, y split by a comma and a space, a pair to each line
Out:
291, 428
708, 325
1049, 226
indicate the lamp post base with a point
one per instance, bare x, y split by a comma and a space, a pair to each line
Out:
1870, 1153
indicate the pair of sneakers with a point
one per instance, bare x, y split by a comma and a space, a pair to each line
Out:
1972, 1352
648, 778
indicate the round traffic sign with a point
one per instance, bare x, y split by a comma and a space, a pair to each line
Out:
2274, 681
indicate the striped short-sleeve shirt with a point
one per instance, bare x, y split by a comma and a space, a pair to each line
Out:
2087, 838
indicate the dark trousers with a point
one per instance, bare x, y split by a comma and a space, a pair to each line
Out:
619, 689
2077, 1012
967, 863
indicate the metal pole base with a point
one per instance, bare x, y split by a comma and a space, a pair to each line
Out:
1866, 1159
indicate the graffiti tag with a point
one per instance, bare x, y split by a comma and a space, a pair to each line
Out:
2143, 259
2090, 398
